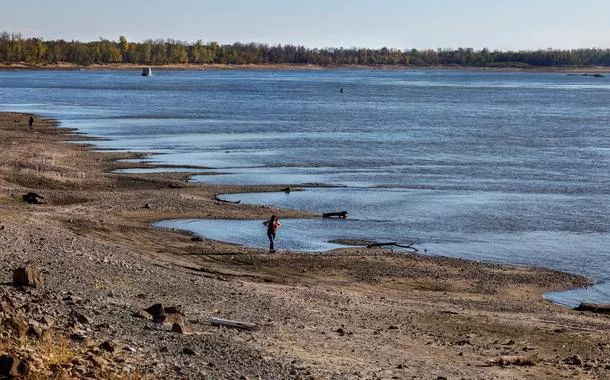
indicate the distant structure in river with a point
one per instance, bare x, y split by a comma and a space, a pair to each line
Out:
146, 72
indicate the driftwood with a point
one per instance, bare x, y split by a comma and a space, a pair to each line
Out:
32, 198
226, 201
234, 324
339, 214
409, 246
594, 307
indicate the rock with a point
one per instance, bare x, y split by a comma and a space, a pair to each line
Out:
156, 311
179, 328
108, 346
167, 315
196, 238
188, 351
45, 320
77, 337
28, 276
170, 319
11, 366
573, 360
36, 331
98, 362
71, 299
17, 325
143, 314
173, 310
594, 307
32, 198
81, 318
7, 303
131, 349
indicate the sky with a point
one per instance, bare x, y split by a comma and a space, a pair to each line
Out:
400, 24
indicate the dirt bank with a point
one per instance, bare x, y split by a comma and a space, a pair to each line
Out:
346, 314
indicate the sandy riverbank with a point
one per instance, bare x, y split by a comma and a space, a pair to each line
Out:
270, 66
354, 313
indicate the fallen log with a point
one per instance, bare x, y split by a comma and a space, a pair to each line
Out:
339, 214
234, 324
594, 307
395, 244
226, 201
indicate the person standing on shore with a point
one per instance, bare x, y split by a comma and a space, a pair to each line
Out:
31, 123
273, 224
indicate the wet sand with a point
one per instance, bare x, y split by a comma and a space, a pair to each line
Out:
350, 313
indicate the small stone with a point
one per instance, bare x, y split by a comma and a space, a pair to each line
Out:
573, 360
45, 320
36, 331
108, 346
77, 337
28, 276
71, 299
156, 311
188, 351
130, 349
340, 331
17, 325
170, 319
82, 318
179, 328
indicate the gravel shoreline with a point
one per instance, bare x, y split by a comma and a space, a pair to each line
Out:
346, 314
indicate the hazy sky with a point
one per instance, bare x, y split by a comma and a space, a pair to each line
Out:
403, 24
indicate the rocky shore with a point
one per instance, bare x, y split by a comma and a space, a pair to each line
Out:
106, 295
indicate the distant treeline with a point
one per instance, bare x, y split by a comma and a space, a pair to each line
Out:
34, 51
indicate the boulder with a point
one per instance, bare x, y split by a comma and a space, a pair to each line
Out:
28, 276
